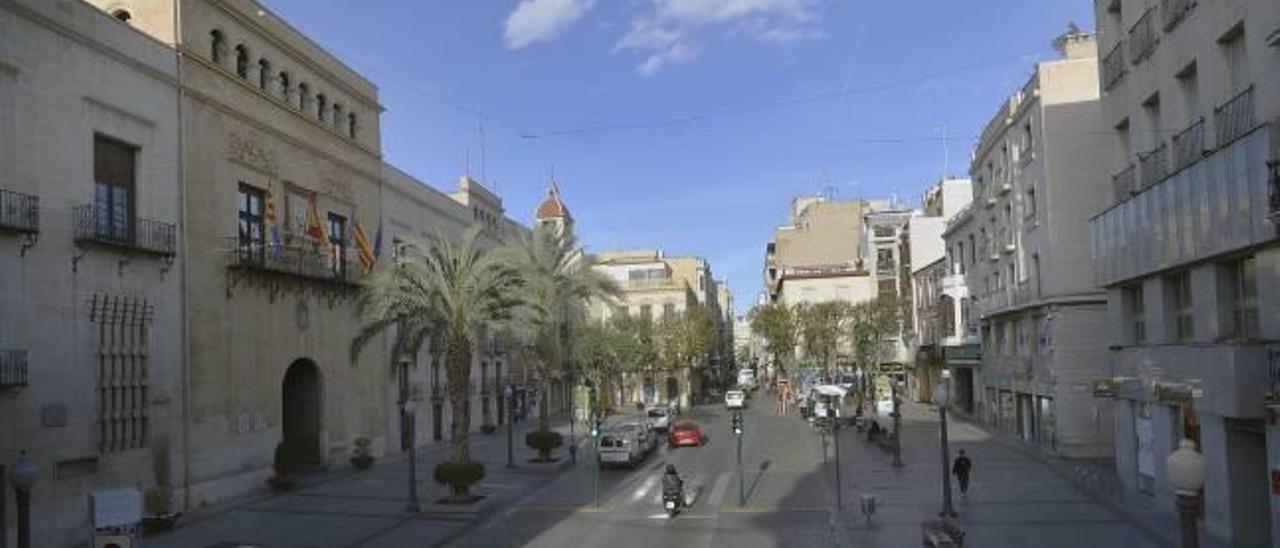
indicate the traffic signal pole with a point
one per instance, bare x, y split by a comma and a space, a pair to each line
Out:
595, 470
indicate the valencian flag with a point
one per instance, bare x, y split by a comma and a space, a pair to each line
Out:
273, 227
364, 249
315, 229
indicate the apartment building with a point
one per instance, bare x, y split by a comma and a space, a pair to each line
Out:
887, 254
818, 256
933, 323
1186, 247
1024, 249
655, 287
90, 280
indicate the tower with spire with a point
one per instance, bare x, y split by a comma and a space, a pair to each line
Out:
552, 214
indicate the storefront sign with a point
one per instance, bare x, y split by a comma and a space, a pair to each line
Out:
1173, 394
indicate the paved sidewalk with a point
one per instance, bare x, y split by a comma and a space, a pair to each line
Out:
1015, 499
344, 508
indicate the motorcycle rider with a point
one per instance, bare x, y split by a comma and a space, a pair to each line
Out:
671, 482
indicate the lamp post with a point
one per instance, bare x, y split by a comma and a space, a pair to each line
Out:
940, 399
408, 435
23, 477
1186, 473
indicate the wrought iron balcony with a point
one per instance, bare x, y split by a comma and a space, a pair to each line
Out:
1143, 37
1175, 11
97, 225
1188, 146
1153, 166
309, 261
13, 369
1113, 66
20, 212
1234, 118
1122, 183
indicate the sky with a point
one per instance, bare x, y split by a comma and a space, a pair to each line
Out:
687, 125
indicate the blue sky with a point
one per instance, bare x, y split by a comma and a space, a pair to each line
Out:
687, 124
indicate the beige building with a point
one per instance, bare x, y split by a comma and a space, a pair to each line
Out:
1024, 249
818, 255
656, 286
91, 275
1185, 246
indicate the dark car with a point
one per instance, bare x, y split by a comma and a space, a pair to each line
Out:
685, 433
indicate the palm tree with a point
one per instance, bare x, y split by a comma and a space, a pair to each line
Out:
444, 292
557, 281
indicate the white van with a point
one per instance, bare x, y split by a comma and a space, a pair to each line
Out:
735, 399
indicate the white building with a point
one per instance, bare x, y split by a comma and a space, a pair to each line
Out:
935, 315
1187, 250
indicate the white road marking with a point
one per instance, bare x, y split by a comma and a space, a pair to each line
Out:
719, 489
648, 484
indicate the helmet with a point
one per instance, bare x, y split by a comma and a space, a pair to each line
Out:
671, 469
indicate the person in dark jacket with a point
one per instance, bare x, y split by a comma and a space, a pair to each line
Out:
960, 469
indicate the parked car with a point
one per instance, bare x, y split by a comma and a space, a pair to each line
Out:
659, 418
735, 399
684, 434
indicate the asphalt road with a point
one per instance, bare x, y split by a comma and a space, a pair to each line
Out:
787, 495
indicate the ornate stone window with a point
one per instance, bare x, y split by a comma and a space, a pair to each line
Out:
217, 46
264, 73
242, 61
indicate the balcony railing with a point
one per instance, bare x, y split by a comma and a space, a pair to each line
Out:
311, 261
1113, 66
1122, 183
1234, 118
1175, 11
1143, 37
13, 368
1188, 146
19, 211
1153, 166
98, 225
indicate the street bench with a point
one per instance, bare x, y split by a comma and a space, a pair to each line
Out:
942, 533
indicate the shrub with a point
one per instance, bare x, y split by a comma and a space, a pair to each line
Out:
544, 441
459, 476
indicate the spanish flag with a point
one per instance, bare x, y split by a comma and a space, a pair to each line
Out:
315, 228
273, 227
365, 250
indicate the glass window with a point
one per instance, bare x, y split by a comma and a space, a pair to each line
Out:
1134, 314
338, 244
114, 170
249, 216
1241, 277
1179, 290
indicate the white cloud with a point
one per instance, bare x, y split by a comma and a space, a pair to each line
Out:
666, 31
536, 21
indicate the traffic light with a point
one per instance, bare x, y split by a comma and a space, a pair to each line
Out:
737, 423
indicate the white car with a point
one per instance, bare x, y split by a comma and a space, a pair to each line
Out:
735, 399
660, 418
626, 444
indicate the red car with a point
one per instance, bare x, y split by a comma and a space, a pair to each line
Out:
685, 433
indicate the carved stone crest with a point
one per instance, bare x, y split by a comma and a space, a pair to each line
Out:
248, 151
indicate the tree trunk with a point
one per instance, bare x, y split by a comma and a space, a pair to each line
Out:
544, 417
459, 371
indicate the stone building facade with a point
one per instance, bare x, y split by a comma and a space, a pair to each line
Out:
1186, 248
90, 274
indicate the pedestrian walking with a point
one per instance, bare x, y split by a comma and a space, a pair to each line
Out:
960, 468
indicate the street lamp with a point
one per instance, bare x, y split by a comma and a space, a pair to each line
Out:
941, 397
23, 477
1186, 473
897, 426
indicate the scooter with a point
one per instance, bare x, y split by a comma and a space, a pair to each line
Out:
672, 500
